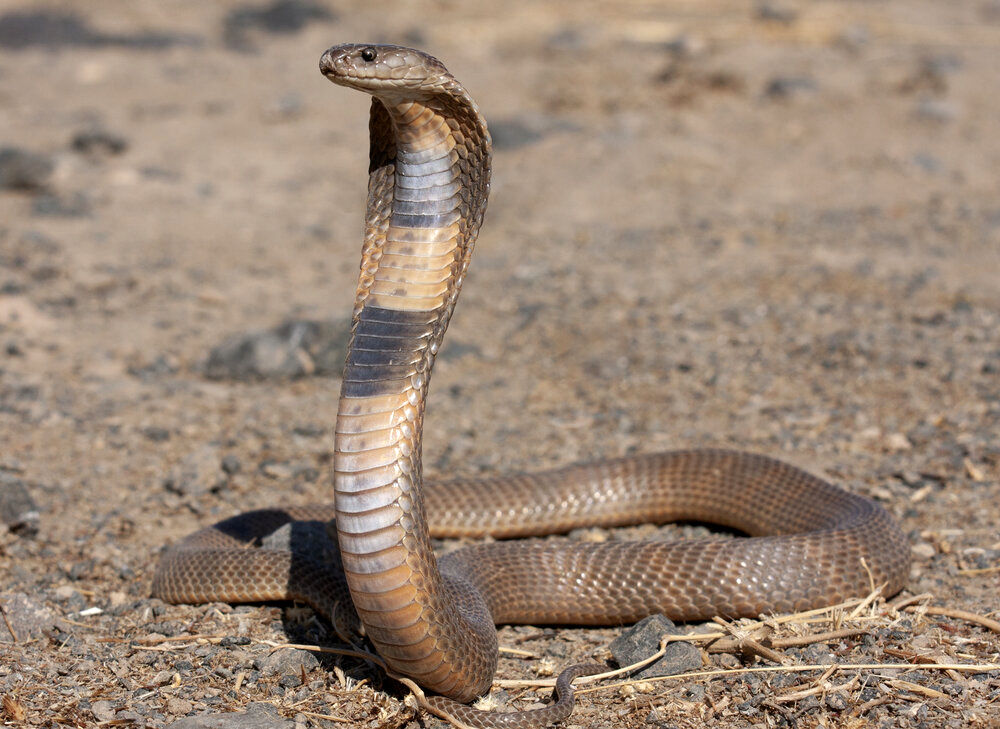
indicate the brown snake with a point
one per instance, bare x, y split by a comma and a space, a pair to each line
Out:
810, 543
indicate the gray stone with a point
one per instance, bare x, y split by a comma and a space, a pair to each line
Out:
26, 617
24, 170
278, 17
17, 509
787, 87
75, 205
643, 640
936, 110
257, 716
198, 472
288, 661
296, 348
97, 141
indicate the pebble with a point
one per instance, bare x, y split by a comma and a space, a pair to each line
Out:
25, 616
786, 87
17, 509
643, 640
175, 705
257, 716
774, 13
200, 471
98, 141
280, 16
836, 702
156, 434
231, 464
76, 205
289, 661
936, 110
103, 710
296, 348
24, 170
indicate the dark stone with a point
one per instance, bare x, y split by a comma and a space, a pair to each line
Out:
257, 716
296, 348
521, 131
231, 464
17, 509
27, 618
309, 430
98, 141
20, 30
836, 702
786, 87
24, 170
288, 661
198, 472
936, 110
772, 13
48, 205
278, 17
643, 640
156, 434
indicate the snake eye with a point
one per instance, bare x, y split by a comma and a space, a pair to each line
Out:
368, 54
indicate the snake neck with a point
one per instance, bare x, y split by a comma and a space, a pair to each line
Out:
428, 183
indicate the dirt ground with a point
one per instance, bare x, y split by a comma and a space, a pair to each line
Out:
774, 227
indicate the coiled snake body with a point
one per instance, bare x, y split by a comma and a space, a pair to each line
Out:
432, 619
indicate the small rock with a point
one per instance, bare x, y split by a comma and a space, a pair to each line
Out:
17, 509
285, 108
296, 348
936, 110
98, 141
773, 13
156, 434
526, 129
836, 702
897, 442
76, 205
199, 472
280, 16
257, 716
786, 87
231, 464
854, 38
27, 618
643, 640
923, 550
24, 170
277, 469
179, 706
289, 661
103, 710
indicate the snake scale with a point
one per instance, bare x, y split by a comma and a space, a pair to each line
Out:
809, 542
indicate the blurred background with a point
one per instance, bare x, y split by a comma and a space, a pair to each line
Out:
769, 225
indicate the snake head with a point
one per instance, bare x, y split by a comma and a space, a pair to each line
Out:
385, 71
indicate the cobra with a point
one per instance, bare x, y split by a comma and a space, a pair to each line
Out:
809, 543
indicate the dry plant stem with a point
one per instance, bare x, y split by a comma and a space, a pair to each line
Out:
965, 615
903, 601
962, 667
980, 571
10, 628
748, 646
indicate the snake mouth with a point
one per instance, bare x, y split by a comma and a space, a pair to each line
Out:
382, 70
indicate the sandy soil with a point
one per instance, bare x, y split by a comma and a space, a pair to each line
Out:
774, 227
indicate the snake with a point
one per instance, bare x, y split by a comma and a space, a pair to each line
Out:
808, 543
